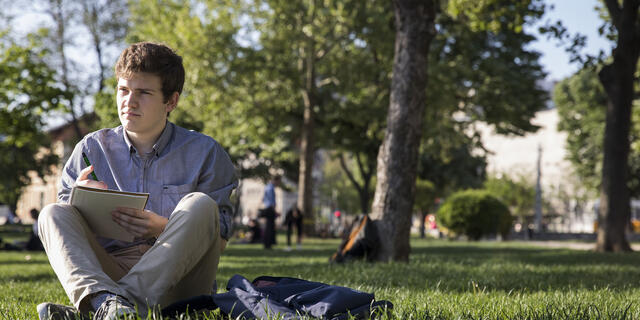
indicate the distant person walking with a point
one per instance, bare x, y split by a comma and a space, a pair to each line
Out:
268, 212
294, 218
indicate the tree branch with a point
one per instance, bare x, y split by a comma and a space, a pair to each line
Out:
360, 166
344, 167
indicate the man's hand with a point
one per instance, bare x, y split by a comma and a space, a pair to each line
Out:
84, 181
141, 223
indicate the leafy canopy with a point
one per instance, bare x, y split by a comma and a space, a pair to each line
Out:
28, 91
581, 102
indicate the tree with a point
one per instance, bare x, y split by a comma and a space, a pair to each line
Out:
365, 169
581, 103
518, 194
335, 188
106, 21
450, 162
300, 43
398, 155
61, 23
28, 91
248, 90
474, 68
58, 37
618, 79
476, 92
229, 94
354, 124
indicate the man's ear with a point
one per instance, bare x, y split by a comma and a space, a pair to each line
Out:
172, 103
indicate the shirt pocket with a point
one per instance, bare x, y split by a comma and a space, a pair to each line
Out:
171, 195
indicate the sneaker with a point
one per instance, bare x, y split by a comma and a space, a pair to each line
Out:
52, 311
115, 307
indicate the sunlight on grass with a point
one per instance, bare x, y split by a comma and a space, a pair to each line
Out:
443, 280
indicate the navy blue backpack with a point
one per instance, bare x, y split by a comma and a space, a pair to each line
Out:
287, 298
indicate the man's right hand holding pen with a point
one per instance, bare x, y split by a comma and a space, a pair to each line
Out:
84, 181
140, 223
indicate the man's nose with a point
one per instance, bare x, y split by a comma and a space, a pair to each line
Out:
131, 101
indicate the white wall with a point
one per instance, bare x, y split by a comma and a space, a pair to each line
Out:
518, 155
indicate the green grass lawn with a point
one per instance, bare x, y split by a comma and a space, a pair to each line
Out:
443, 280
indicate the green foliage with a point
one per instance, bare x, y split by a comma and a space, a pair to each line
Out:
485, 74
581, 102
28, 92
229, 92
448, 161
336, 190
475, 213
495, 15
480, 70
517, 193
105, 104
246, 64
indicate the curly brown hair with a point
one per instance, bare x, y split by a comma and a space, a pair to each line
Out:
154, 58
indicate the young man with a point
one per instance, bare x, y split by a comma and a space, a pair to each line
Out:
187, 221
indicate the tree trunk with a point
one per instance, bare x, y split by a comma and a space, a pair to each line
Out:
307, 149
92, 23
617, 80
60, 20
398, 154
423, 216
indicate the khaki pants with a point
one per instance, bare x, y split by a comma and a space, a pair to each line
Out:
182, 263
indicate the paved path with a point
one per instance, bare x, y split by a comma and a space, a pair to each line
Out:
572, 245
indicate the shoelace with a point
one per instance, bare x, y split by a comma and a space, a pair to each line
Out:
103, 311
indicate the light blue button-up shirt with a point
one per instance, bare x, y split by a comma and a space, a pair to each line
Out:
269, 197
182, 161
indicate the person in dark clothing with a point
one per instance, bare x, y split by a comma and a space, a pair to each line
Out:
255, 231
268, 212
293, 218
269, 234
34, 243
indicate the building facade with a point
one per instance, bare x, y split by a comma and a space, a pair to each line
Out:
570, 208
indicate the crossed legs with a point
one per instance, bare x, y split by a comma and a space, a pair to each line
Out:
182, 262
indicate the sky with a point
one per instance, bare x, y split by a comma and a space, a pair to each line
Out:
577, 16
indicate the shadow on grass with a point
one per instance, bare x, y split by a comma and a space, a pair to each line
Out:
531, 255
37, 277
23, 261
451, 267
252, 252
434, 266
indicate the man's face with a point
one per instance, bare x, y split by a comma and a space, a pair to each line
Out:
141, 108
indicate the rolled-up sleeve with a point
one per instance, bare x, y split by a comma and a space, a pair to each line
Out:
218, 181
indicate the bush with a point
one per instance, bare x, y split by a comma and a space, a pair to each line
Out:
475, 213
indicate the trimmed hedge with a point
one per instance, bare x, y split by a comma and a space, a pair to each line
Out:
475, 213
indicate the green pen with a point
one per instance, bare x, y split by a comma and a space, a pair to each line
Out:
93, 173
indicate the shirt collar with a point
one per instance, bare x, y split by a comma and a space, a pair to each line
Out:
160, 144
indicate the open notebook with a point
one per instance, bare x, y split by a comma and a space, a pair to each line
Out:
96, 205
